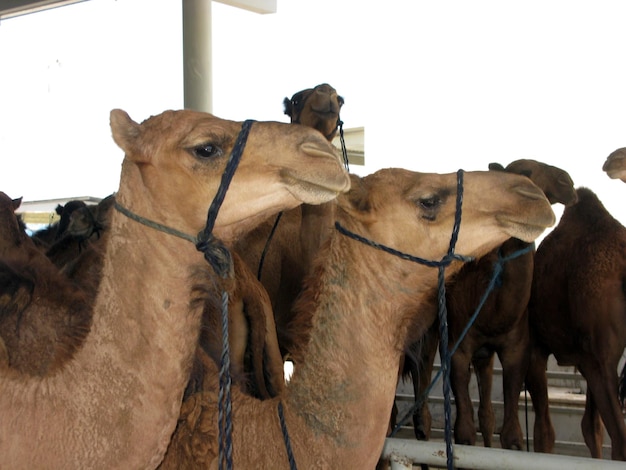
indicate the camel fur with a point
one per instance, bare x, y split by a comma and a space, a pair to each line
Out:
576, 312
615, 165
356, 312
115, 404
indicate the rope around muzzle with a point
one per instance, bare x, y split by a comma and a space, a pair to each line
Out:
441, 298
219, 257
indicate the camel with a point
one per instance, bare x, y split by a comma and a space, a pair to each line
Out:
576, 312
356, 311
32, 345
281, 250
85, 225
615, 165
53, 232
316, 107
501, 326
116, 402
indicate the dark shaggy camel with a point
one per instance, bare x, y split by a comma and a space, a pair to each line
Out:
35, 344
577, 312
356, 312
501, 327
116, 402
55, 231
615, 165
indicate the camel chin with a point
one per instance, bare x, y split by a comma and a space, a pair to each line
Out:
524, 231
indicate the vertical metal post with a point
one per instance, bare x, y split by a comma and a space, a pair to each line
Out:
197, 55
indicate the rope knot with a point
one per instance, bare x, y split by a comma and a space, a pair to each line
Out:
216, 254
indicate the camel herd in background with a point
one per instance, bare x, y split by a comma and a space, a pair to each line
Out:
112, 351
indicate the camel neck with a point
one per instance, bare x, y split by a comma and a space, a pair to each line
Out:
356, 339
129, 374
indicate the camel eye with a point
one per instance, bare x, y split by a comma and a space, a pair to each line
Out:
206, 151
429, 203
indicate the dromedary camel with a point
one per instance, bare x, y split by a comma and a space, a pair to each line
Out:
501, 326
615, 165
360, 304
116, 402
576, 311
281, 252
316, 107
33, 343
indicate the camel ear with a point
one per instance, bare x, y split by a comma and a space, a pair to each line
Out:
356, 202
288, 107
496, 167
126, 132
16, 203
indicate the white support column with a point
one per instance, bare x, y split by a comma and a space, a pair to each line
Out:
197, 68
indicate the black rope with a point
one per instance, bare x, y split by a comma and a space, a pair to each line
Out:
344, 150
224, 414
218, 256
215, 252
154, 225
495, 278
283, 427
445, 261
267, 245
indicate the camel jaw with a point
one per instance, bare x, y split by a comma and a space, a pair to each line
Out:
525, 230
319, 183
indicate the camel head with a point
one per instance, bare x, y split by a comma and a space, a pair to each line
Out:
11, 225
615, 165
556, 184
179, 158
415, 212
316, 107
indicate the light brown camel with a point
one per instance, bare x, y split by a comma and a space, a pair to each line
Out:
282, 262
360, 305
116, 402
501, 327
615, 165
576, 312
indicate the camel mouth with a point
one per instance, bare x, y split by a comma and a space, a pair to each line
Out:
326, 112
318, 181
527, 230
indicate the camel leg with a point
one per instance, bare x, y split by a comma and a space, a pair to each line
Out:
537, 384
483, 368
601, 380
591, 427
422, 377
514, 365
460, 374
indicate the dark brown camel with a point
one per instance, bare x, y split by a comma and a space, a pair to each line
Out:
501, 327
282, 262
35, 344
316, 107
615, 165
47, 236
577, 312
356, 313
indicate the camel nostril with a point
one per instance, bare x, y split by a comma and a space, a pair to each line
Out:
530, 191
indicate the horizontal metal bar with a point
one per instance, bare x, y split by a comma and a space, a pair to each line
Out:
434, 453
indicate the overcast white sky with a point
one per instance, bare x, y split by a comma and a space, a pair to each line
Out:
438, 85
